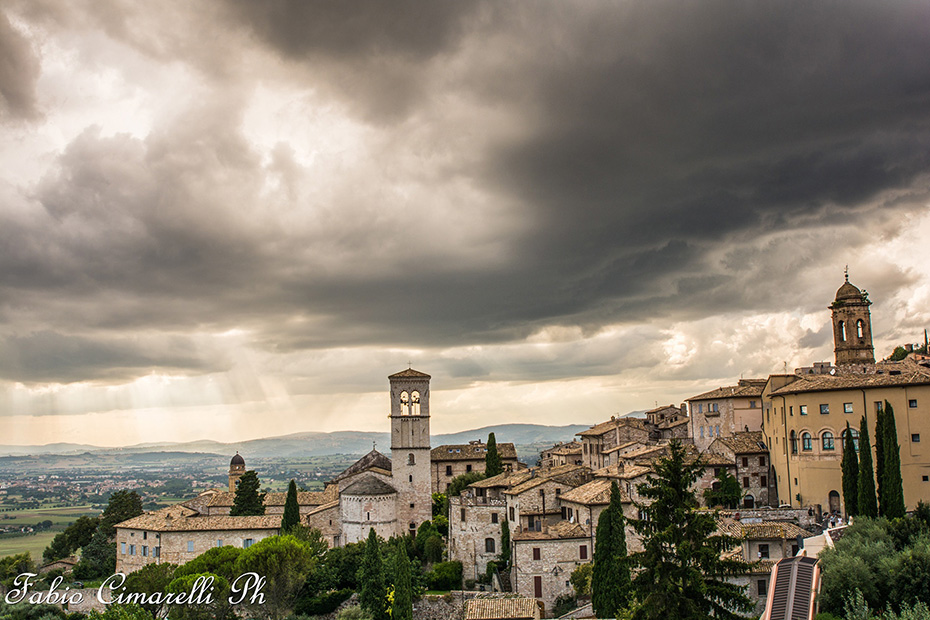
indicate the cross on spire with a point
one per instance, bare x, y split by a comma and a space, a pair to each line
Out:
846, 273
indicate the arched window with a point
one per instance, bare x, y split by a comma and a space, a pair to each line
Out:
843, 331
489, 545
411, 460
749, 501
794, 443
859, 326
855, 437
404, 403
806, 444
826, 440
415, 403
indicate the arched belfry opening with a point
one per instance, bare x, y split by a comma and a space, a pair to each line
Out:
850, 309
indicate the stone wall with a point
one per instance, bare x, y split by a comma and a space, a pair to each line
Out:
557, 559
467, 537
174, 545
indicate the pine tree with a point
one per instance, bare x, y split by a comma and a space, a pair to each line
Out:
610, 580
492, 458
866, 504
291, 509
248, 501
850, 475
880, 459
402, 606
372, 590
681, 573
893, 486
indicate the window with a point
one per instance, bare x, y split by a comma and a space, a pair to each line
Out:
847, 408
583, 552
794, 443
764, 481
824, 408
145, 551
826, 440
410, 478
859, 325
468, 468
745, 461
715, 408
411, 460
489, 545
413, 528
802, 409
855, 437
156, 552
511, 513
791, 410
493, 517
842, 331
463, 514
145, 535
248, 542
752, 404
763, 551
700, 407
219, 542
879, 406
762, 587
716, 471
806, 444
122, 548
717, 428
190, 546
536, 554
912, 403
132, 549
537, 586
761, 461
448, 470
925, 478
745, 482
368, 516
915, 438
702, 431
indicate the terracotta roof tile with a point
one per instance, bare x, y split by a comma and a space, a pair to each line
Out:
369, 485
561, 530
182, 519
505, 479
745, 389
605, 427
471, 452
751, 442
502, 608
373, 459
907, 372
594, 493
304, 498
409, 373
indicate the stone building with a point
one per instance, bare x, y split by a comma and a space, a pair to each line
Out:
564, 453
725, 411
750, 456
617, 431
450, 461
805, 416
534, 503
543, 561
236, 469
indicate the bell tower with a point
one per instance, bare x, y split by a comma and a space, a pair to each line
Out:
410, 449
852, 326
236, 469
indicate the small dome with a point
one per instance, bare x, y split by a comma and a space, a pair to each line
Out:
848, 292
237, 460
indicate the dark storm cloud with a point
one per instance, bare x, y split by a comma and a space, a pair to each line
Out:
663, 161
19, 70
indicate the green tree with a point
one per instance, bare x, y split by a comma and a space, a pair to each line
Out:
216, 560
898, 354
98, 558
148, 580
681, 572
459, 483
880, 459
248, 501
492, 458
728, 492
121, 506
291, 509
372, 590
311, 536
13, 565
75, 536
865, 494
893, 486
120, 612
505, 541
284, 562
218, 608
581, 579
850, 468
610, 579
402, 606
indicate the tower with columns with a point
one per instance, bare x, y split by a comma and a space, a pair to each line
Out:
852, 326
410, 448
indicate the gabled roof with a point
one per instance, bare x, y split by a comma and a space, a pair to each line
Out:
751, 442
304, 498
605, 427
594, 493
568, 474
766, 530
622, 471
410, 373
373, 459
503, 609
179, 518
746, 388
886, 374
471, 452
369, 485
506, 479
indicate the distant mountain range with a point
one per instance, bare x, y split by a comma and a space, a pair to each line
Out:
320, 444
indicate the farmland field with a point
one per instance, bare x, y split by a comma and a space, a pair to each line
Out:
36, 543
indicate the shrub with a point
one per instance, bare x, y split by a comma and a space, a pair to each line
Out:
321, 604
445, 576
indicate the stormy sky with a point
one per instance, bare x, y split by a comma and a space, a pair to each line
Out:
232, 219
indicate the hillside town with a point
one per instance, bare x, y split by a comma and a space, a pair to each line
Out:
769, 452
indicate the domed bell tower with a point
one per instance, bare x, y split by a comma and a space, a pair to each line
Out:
236, 469
410, 449
852, 326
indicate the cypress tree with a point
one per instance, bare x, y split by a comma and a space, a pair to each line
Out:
291, 509
850, 475
880, 459
505, 541
610, 580
893, 486
372, 592
492, 458
402, 607
248, 501
867, 506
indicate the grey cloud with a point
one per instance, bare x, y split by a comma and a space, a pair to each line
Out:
19, 71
